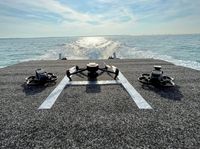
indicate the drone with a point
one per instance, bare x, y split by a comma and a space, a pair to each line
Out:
41, 78
93, 71
156, 77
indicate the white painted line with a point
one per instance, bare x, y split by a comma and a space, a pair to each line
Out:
51, 99
138, 99
103, 82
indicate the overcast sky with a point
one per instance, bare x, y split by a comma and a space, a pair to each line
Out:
36, 18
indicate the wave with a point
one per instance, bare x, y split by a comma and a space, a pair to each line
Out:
141, 54
102, 48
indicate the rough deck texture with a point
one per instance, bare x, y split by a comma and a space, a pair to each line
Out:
99, 116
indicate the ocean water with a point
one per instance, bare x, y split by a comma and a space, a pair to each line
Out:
183, 50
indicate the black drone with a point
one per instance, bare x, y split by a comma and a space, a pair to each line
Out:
156, 77
93, 70
41, 77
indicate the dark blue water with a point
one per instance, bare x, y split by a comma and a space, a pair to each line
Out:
179, 49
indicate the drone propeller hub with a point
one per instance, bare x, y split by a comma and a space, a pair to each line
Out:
92, 67
157, 67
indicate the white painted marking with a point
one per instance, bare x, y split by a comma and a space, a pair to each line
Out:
138, 99
103, 82
51, 99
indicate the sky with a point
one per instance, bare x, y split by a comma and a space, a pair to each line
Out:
54, 18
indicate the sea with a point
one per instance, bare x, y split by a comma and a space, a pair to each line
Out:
182, 50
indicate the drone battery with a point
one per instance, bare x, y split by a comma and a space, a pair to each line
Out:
41, 74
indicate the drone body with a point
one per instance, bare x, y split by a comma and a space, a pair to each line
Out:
92, 71
156, 77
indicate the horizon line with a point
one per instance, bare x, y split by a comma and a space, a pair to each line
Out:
99, 35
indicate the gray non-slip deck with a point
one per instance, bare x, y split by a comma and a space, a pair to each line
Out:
99, 116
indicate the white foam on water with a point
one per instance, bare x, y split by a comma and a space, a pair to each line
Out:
102, 48
139, 54
91, 48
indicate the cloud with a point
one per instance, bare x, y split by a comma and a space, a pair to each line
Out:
40, 7
48, 6
72, 17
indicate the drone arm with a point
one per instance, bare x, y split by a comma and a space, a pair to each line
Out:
72, 71
114, 70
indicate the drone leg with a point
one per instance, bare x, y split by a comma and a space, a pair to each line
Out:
116, 73
68, 75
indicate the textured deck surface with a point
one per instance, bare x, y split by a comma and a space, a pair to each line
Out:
101, 116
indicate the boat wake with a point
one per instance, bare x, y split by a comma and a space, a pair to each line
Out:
91, 48
102, 48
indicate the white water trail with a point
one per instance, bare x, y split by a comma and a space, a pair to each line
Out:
91, 48
102, 48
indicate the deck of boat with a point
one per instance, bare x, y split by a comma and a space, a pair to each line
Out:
101, 116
